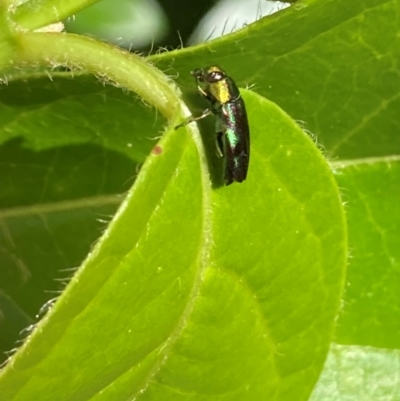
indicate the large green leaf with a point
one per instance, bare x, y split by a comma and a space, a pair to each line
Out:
190, 282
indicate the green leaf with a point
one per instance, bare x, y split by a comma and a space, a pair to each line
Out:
326, 63
371, 189
61, 172
71, 110
366, 366
191, 283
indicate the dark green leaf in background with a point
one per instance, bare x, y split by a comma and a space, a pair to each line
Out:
332, 64
370, 314
365, 363
60, 180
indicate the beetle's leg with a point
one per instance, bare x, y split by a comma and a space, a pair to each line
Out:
191, 119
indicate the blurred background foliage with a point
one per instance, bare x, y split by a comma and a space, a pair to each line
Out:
148, 25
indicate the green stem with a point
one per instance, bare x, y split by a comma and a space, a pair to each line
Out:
108, 62
38, 13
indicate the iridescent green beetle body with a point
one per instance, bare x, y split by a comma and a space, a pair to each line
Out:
232, 128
